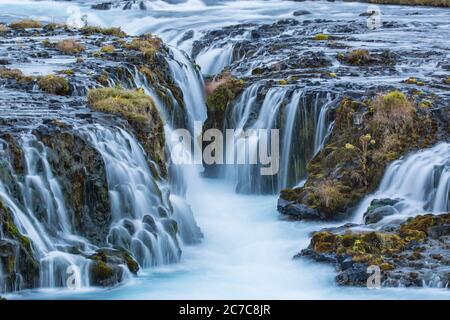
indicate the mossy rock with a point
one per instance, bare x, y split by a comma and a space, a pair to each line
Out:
25, 24
353, 161
140, 112
54, 84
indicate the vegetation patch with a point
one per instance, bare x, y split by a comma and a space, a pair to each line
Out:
321, 37
70, 46
25, 24
366, 137
140, 111
54, 84
93, 30
15, 74
432, 3
147, 44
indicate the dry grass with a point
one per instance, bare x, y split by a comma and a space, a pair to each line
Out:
54, 85
25, 24
433, 3
132, 104
70, 46
92, 30
15, 74
108, 49
393, 111
359, 57
329, 193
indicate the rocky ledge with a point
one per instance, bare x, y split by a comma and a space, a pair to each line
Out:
412, 253
367, 135
58, 84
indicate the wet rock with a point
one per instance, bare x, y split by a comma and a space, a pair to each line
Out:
20, 267
378, 209
411, 255
297, 211
106, 268
301, 13
102, 6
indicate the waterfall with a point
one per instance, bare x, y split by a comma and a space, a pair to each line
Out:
420, 181
39, 213
303, 118
189, 79
213, 60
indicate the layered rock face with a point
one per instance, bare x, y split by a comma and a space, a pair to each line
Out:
343, 122
84, 191
413, 253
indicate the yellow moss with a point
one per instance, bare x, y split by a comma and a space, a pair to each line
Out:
358, 56
321, 37
108, 49
54, 84
282, 82
132, 104
69, 46
92, 30
25, 24
15, 74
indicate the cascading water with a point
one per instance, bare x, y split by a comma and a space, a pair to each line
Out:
420, 181
303, 118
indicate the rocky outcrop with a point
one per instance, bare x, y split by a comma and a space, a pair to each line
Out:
413, 254
366, 136
19, 268
81, 172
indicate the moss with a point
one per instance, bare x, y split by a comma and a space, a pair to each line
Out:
101, 271
15, 74
3, 28
257, 71
447, 81
222, 91
128, 103
433, 3
68, 72
140, 111
412, 80
358, 57
70, 46
54, 84
321, 37
282, 82
147, 44
92, 30
108, 49
353, 161
25, 24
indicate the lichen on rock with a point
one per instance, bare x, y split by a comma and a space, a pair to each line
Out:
366, 136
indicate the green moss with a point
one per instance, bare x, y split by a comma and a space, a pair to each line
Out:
140, 111
147, 44
433, 3
358, 57
132, 104
282, 82
224, 91
108, 49
54, 84
352, 163
92, 30
15, 74
70, 46
321, 37
25, 24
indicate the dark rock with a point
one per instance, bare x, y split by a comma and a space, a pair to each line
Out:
297, 211
301, 13
379, 209
102, 6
